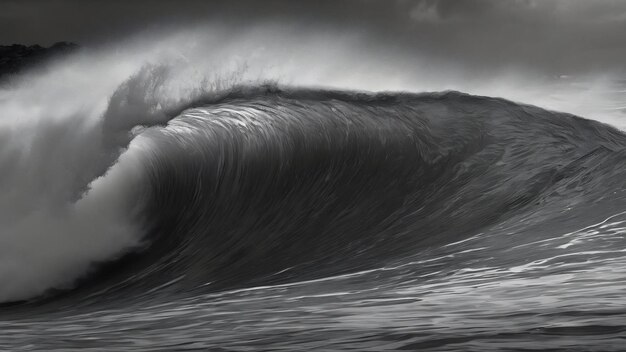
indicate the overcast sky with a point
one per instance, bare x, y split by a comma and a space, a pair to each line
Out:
564, 35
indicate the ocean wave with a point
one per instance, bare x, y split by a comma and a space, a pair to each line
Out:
266, 185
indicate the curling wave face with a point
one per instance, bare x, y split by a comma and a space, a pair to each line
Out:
265, 186
267, 192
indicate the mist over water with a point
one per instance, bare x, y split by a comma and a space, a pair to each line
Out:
98, 146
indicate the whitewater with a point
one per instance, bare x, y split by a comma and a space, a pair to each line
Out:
212, 189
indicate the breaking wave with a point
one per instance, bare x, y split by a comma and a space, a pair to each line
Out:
159, 184
265, 185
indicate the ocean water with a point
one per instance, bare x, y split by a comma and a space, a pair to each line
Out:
280, 217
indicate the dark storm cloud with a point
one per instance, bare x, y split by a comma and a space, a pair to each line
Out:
551, 35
